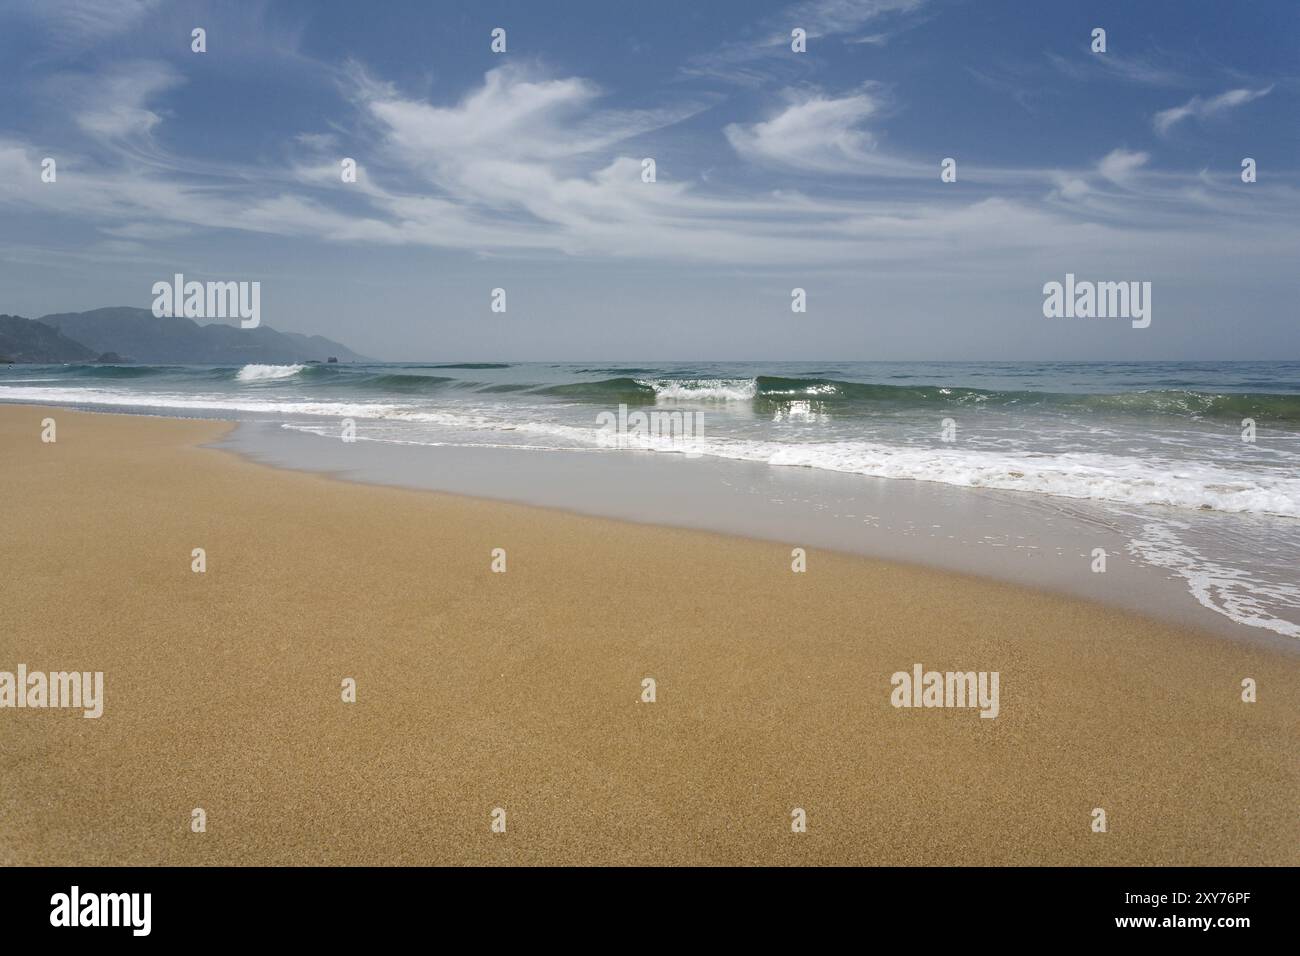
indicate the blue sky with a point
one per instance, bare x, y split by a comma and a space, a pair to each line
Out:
522, 170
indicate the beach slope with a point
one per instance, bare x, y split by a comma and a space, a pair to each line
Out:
477, 690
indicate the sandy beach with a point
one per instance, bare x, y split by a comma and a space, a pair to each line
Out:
522, 690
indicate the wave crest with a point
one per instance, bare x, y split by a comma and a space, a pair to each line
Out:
267, 373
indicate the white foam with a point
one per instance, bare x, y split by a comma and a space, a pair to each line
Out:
703, 389
267, 373
1085, 475
214, 403
1092, 475
1229, 591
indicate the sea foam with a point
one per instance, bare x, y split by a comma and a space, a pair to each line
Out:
265, 373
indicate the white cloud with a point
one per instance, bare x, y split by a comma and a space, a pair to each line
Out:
830, 17
88, 21
513, 115
531, 164
734, 61
1166, 119
814, 133
111, 106
1202, 108
871, 39
1071, 187
1119, 165
1129, 69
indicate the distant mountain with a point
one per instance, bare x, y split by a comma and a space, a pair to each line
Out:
145, 338
26, 340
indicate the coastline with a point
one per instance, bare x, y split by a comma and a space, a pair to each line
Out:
521, 690
1220, 560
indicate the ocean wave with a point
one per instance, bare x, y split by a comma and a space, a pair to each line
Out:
502, 388
703, 389
611, 389
770, 391
1185, 403
108, 371
766, 393
469, 365
267, 373
617, 370
401, 383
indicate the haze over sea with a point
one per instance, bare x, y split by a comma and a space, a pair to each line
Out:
1154, 449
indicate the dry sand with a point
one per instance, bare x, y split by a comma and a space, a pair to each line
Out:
521, 690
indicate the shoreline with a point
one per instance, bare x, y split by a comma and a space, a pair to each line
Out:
478, 690
636, 491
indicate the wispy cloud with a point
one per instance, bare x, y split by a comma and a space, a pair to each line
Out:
112, 108
735, 61
1011, 82
86, 21
871, 39
832, 17
1144, 71
1202, 108
815, 132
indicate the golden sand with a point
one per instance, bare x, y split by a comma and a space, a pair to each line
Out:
478, 690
